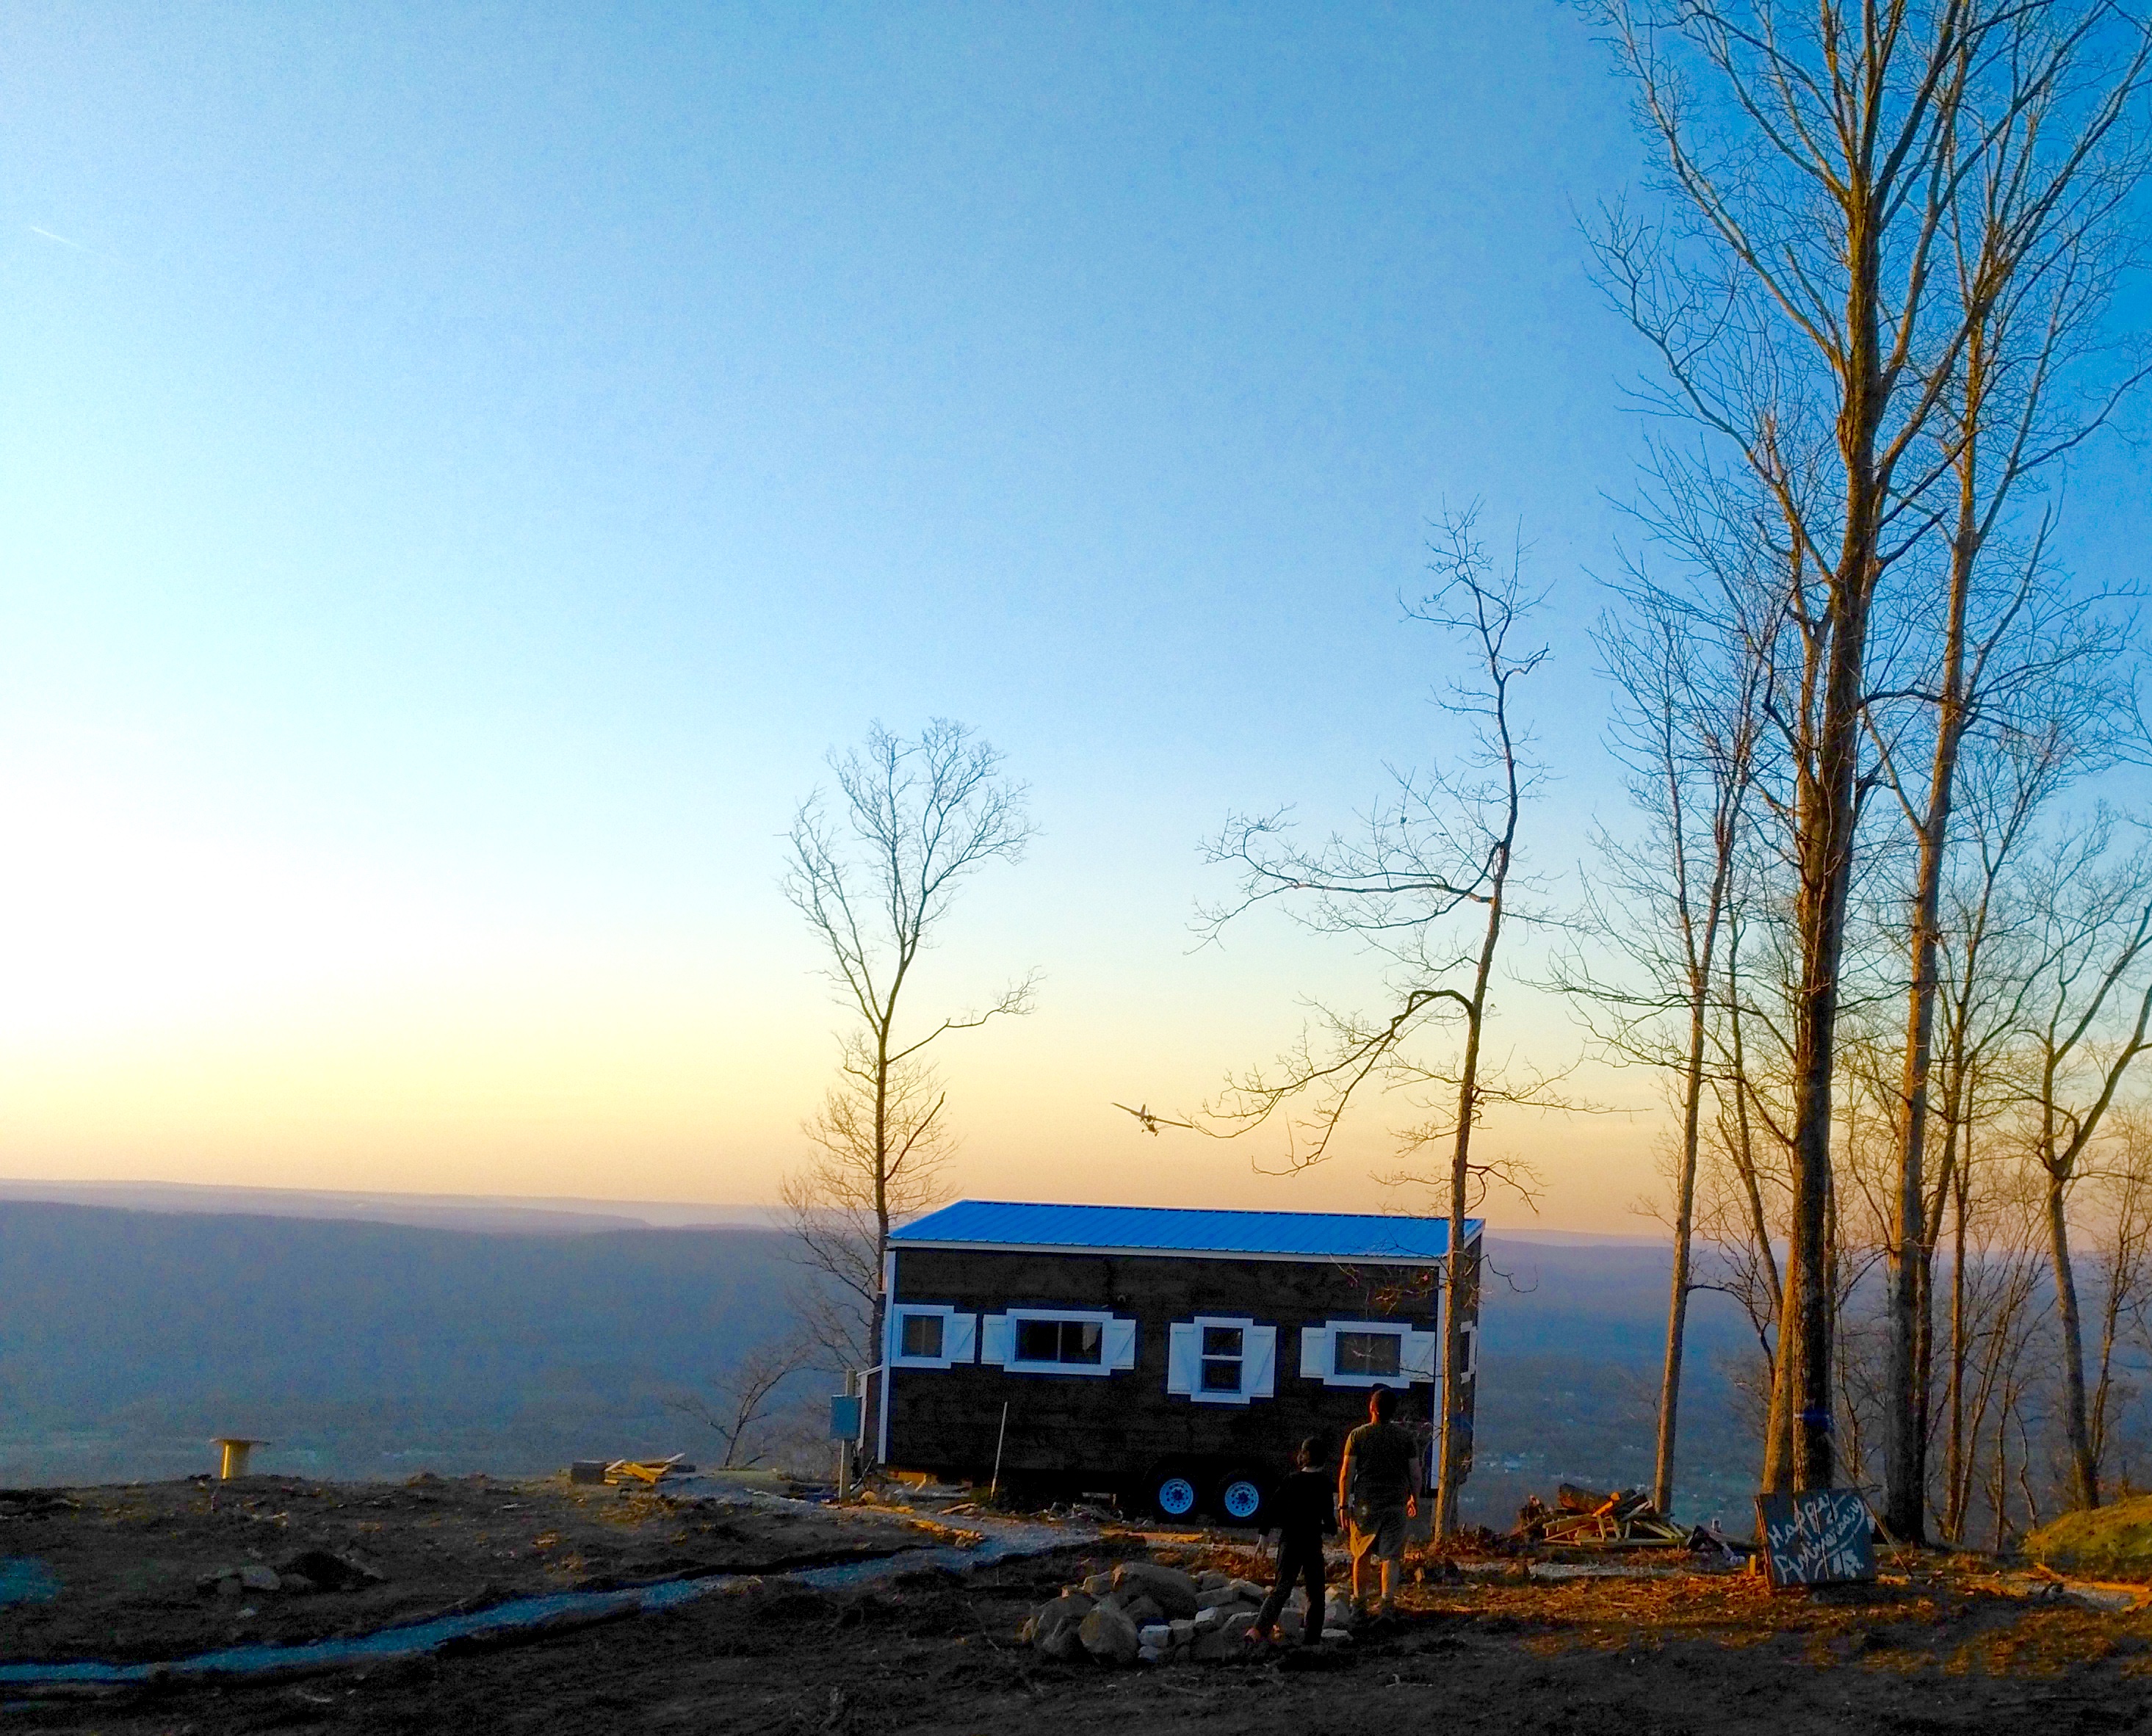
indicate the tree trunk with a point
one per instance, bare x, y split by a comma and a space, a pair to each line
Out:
1449, 1472
1662, 1469
1957, 1487
2084, 1468
1827, 820
1906, 1476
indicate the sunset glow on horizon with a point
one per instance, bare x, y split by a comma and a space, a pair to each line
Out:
460, 472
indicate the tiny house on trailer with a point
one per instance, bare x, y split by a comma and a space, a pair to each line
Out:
1174, 1357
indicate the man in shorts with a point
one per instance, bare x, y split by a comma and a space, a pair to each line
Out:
1379, 1486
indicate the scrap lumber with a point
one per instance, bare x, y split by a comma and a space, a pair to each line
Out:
1600, 1519
649, 1471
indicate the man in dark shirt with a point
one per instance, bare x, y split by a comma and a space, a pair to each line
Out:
1379, 1488
1302, 1511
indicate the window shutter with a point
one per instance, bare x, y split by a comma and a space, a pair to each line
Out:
1315, 1352
1117, 1344
1184, 1356
1259, 1362
960, 1340
1416, 1355
997, 1338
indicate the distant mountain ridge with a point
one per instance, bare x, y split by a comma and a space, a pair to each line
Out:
127, 1337
502, 1213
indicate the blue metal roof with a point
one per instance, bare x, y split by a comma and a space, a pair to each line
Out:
1152, 1229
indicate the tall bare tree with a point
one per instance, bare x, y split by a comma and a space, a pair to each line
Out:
1799, 296
1426, 887
875, 872
1684, 731
2037, 237
2089, 1009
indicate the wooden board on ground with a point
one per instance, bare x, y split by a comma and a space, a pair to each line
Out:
1820, 1537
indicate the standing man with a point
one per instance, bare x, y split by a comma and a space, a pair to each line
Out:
1378, 1484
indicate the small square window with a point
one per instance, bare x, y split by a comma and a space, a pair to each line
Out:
1221, 1358
1376, 1354
922, 1336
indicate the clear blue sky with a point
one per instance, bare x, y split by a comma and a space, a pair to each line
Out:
461, 467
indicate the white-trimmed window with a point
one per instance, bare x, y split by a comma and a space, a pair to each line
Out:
1221, 1359
931, 1335
1058, 1341
1367, 1354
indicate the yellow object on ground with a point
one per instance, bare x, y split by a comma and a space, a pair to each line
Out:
237, 1449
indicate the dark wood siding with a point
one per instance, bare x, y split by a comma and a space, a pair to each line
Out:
1116, 1431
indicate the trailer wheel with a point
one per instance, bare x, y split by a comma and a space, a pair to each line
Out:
1240, 1497
1173, 1493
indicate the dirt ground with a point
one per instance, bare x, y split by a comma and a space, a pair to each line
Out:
1946, 1650
128, 1559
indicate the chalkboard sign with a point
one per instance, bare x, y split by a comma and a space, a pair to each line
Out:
1823, 1537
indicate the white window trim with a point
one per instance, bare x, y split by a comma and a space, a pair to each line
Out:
1400, 1330
1244, 1394
950, 1317
1107, 1363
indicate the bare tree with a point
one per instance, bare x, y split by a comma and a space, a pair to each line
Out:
743, 1396
2089, 1009
881, 1150
2035, 250
912, 821
1426, 888
1799, 299
1685, 732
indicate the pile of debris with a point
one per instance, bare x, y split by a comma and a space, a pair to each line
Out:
310, 1569
1147, 1612
1600, 1519
646, 1473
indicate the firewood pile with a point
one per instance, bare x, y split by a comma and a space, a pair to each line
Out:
1601, 1519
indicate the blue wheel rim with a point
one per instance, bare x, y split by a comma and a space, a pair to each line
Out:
1242, 1498
1176, 1496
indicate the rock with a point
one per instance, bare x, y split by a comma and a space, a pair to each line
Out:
295, 1584
1210, 1580
1052, 1620
1154, 1637
1064, 1646
1291, 1624
1210, 1645
1248, 1591
1142, 1609
330, 1572
1182, 1632
1218, 1596
1236, 1625
1097, 1585
255, 1577
1150, 1654
1108, 1636
1173, 1592
1207, 1621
